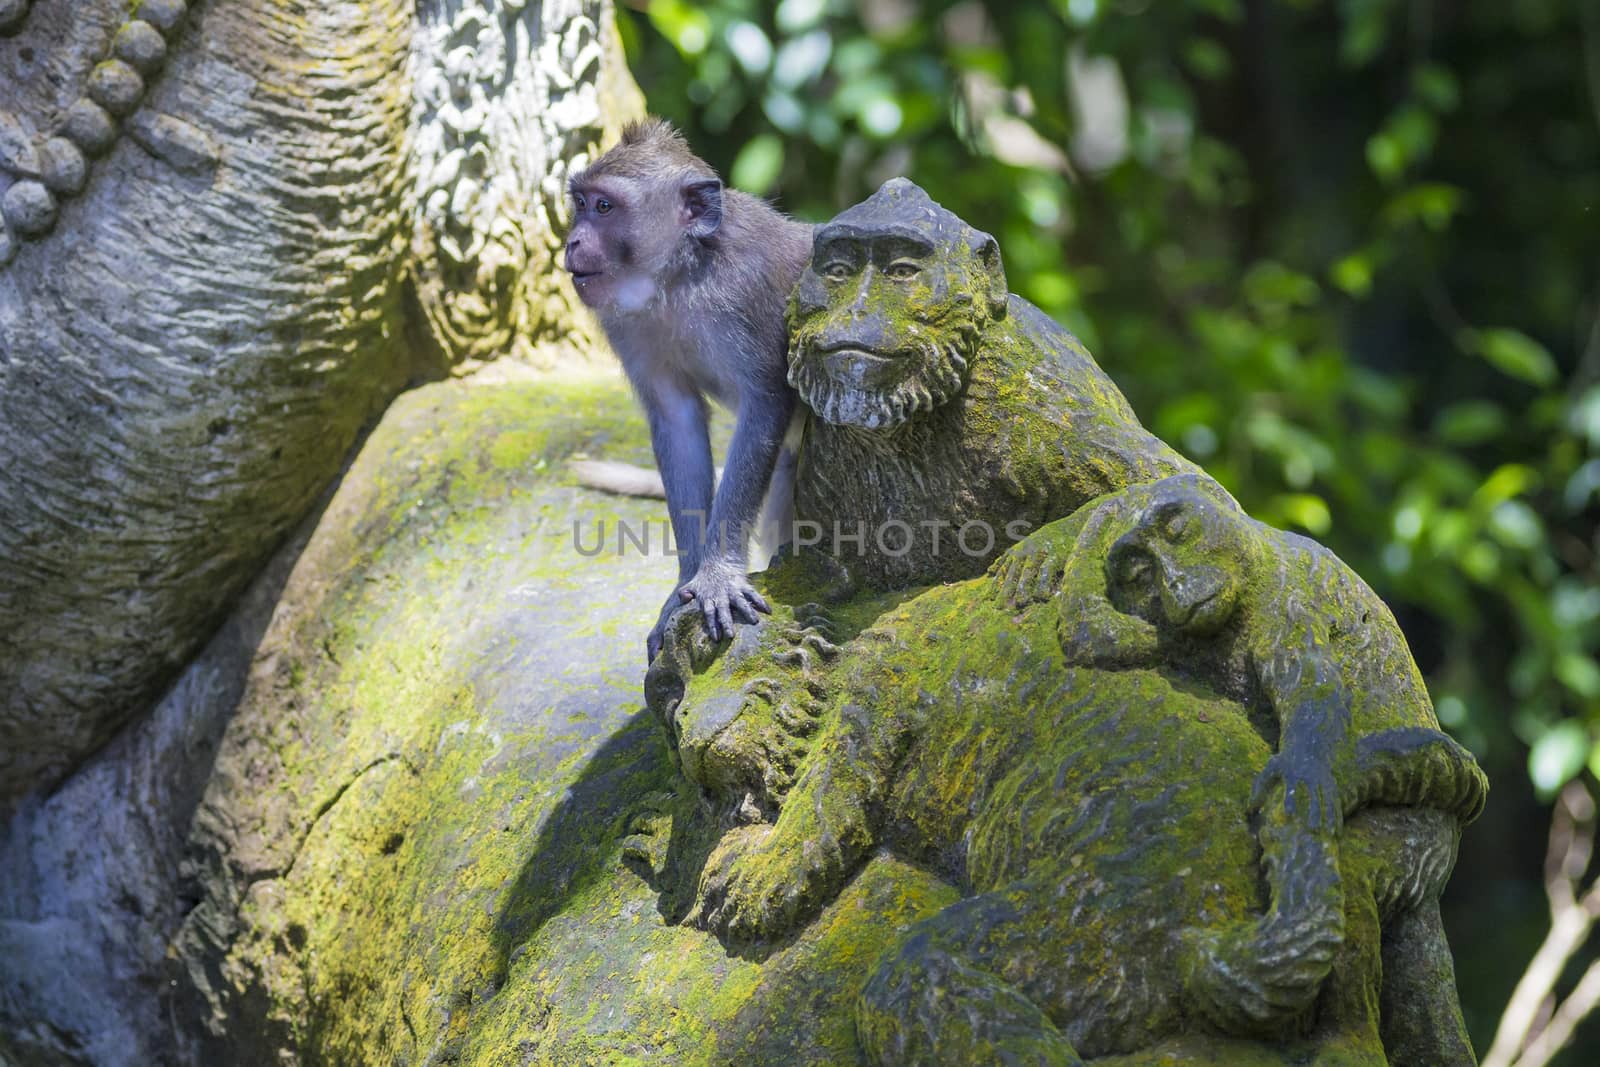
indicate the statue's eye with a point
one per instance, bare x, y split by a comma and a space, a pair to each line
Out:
902, 270
836, 272
1177, 525
602, 206
1132, 567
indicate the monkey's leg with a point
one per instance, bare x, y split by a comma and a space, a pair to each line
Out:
1422, 1021
937, 999
681, 440
1410, 852
777, 514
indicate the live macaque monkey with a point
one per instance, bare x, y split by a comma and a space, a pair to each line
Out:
690, 281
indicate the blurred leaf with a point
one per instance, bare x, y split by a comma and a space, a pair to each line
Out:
1208, 59
1579, 673
758, 164
1432, 204
1557, 756
1353, 274
1307, 511
1436, 86
683, 24
1513, 353
1469, 423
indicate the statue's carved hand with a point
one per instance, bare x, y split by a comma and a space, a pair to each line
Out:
1310, 792
1031, 571
759, 889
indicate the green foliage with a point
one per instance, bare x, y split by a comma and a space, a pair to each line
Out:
1341, 252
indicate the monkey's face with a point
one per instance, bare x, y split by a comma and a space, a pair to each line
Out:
1181, 566
886, 323
626, 233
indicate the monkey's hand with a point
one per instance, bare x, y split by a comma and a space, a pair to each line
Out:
762, 886
1030, 571
724, 593
1310, 791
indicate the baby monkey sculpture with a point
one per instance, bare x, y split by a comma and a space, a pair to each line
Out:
1073, 742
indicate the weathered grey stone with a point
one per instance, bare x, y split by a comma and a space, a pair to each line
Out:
184, 145
12, 12
8, 244
17, 154
29, 207
90, 127
141, 46
164, 15
116, 86
63, 167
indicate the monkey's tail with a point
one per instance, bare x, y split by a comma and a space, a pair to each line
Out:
623, 479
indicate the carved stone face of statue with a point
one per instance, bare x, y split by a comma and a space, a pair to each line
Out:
1180, 565
886, 319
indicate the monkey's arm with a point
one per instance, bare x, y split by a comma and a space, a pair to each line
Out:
1093, 633
720, 582
1316, 750
823, 834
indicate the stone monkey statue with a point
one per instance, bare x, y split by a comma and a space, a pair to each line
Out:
949, 416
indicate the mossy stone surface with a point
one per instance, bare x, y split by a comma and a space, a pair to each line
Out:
428, 834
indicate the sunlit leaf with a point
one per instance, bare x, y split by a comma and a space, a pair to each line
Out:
1514, 353
758, 164
1557, 756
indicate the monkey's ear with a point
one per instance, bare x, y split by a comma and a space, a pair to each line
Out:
987, 251
701, 208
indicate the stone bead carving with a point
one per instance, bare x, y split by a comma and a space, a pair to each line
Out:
116, 86
29, 208
90, 127
59, 167
140, 45
164, 15
63, 167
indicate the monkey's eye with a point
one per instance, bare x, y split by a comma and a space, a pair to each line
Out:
902, 270
836, 272
602, 206
577, 201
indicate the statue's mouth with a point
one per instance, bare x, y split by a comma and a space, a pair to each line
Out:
1207, 612
858, 367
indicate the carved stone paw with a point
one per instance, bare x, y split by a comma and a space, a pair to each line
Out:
809, 639
1031, 571
649, 830
757, 889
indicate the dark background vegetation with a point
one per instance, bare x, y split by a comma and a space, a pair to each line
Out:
1344, 253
